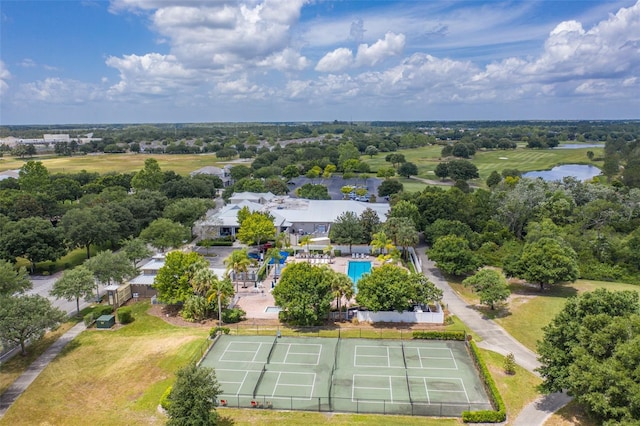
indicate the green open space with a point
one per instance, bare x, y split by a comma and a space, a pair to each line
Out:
529, 310
430, 378
122, 163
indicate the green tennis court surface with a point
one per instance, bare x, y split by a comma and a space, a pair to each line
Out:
417, 377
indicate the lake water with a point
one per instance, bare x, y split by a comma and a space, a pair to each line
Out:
579, 171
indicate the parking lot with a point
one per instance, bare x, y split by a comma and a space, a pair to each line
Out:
335, 184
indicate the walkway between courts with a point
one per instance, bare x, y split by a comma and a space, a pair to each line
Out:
496, 339
22, 383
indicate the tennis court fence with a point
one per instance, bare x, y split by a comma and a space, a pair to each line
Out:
326, 331
348, 405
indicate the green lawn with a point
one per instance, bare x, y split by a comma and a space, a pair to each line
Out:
103, 163
110, 377
523, 159
529, 309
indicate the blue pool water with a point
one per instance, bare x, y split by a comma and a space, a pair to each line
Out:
356, 269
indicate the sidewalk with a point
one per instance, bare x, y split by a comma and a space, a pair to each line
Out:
495, 338
22, 383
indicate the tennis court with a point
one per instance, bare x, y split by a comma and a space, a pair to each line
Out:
418, 377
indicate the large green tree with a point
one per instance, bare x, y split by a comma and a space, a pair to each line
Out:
150, 177
304, 294
108, 267
26, 318
546, 261
561, 335
347, 229
74, 284
32, 238
187, 210
11, 280
33, 177
164, 233
453, 255
256, 228
393, 288
89, 225
490, 285
135, 249
193, 397
174, 280
591, 349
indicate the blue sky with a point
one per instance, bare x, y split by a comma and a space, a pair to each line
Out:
133, 61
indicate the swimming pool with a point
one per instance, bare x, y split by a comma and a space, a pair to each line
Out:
356, 269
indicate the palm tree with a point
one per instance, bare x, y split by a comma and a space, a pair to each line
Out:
341, 286
328, 250
305, 240
381, 243
238, 262
206, 281
272, 253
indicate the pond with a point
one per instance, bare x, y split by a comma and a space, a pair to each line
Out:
579, 171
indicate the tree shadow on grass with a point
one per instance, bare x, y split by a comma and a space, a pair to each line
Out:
556, 290
225, 421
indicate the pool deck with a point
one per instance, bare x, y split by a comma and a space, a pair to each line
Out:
255, 301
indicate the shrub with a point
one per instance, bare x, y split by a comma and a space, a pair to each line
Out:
102, 310
215, 330
486, 416
165, 402
89, 319
439, 335
232, 316
510, 364
125, 316
195, 308
337, 252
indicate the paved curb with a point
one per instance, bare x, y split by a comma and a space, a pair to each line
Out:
33, 371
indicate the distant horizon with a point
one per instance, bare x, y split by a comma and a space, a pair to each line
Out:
201, 61
321, 122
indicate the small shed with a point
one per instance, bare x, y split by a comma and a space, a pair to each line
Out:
106, 321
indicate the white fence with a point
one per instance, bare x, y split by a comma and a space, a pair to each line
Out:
405, 316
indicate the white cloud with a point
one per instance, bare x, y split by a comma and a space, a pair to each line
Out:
338, 60
392, 45
4, 76
367, 55
152, 74
27, 63
286, 60
55, 90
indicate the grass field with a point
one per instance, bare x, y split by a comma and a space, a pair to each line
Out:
116, 377
103, 163
109, 377
529, 310
523, 159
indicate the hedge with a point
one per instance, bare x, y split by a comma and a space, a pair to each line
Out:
98, 311
214, 331
125, 316
486, 416
440, 335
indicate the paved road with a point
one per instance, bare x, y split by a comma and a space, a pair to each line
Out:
496, 339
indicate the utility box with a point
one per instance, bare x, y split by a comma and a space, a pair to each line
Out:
106, 321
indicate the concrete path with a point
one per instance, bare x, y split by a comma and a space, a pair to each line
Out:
23, 382
496, 339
